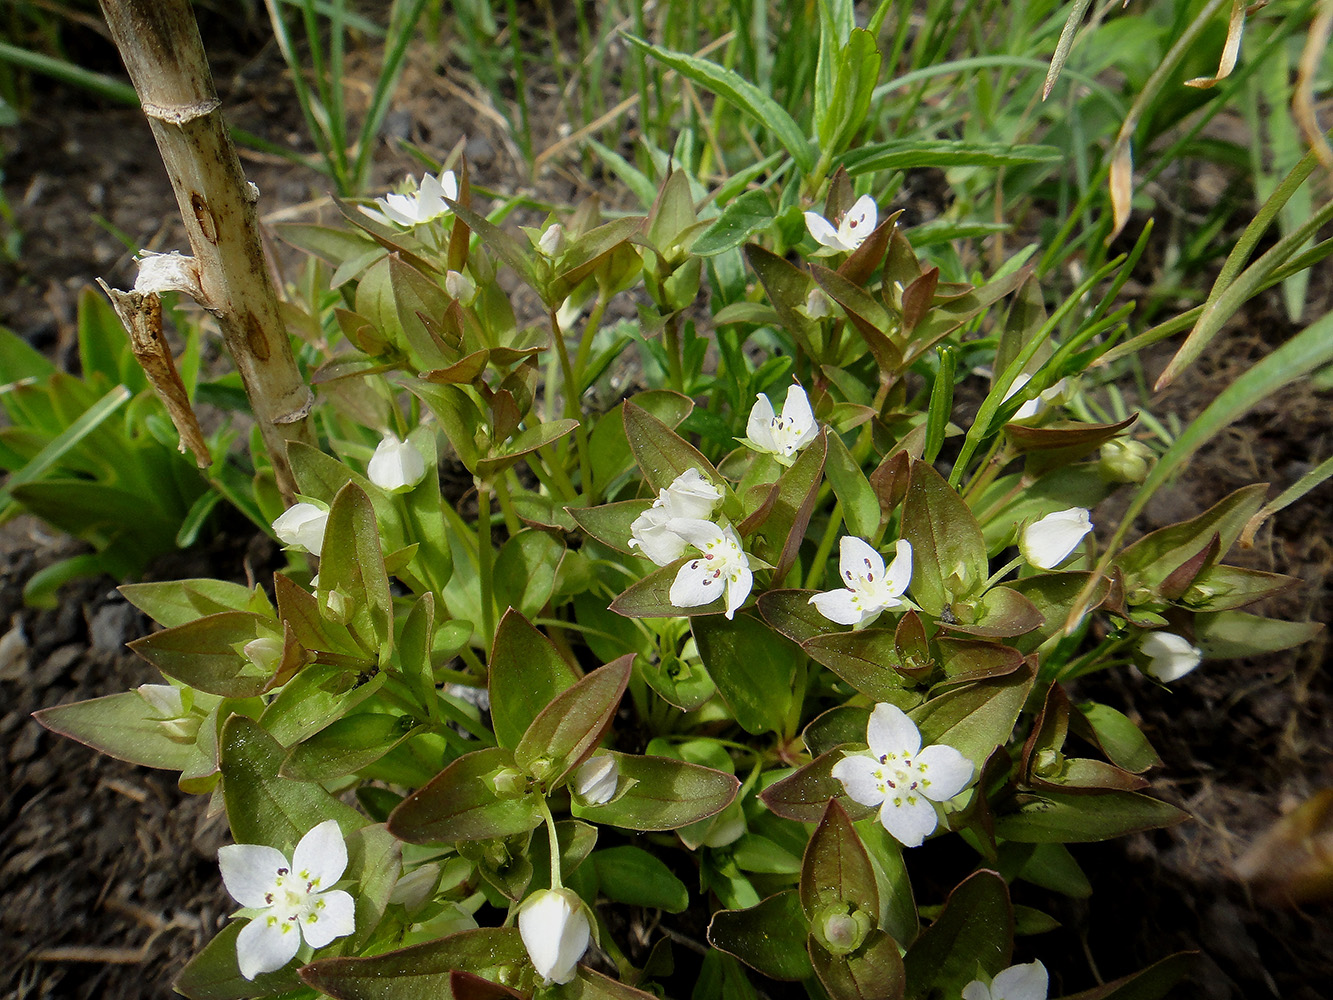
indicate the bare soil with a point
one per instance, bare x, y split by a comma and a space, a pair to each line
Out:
108, 872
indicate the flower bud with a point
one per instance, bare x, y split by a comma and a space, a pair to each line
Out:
555, 930
265, 653
839, 931
1124, 460
596, 779
414, 888
552, 242
460, 286
164, 700
1170, 656
339, 606
509, 783
1049, 542
301, 526
396, 466
817, 304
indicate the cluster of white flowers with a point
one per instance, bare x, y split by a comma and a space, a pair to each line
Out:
900, 778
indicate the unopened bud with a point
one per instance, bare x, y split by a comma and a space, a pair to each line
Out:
460, 286
596, 779
817, 304
339, 606
265, 653
552, 242
509, 783
553, 924
1124, 460
414, 888
164, 700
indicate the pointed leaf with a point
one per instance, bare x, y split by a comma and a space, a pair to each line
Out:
460, 803
975, 929
948, 551
526, 674
769, 937
567, 731
665, 794
752, 668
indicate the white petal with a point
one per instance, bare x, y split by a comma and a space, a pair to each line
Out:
396, 465
796, 408
302, 526
1021, 982
1020, 380
596, 779
402, 208
321, 856
250, 872
697, 583
860, 776
759, 427
650, 532
431, 187
573, 943
1029, 409
910, 818
858, 561
823, 232
841, 606
327, 916
739, 582
691, 495
266, 944
1049, 542
1171, 656
899, 574
943, 772
859, 222
976, 990
555, 932
703, 535
449, 184
892, 732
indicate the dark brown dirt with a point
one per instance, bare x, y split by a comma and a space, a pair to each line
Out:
108, 871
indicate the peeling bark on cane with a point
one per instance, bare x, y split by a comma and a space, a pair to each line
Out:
160, 45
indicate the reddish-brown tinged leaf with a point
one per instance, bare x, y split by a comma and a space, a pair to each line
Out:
866, 659
1151, 983
1001, 613
661, 453
874, 972
460, 803
769, 937
862, 262
469, 986
567, 731
972, 660
204, 653
917, 297
836, 866
664, 794
975, 929
804, 794
948, 550
889, 480
610, 523
526, 673
790, 613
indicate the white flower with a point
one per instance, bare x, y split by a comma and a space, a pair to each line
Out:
870, 588
423, 204
857, 223
596, 779
690, 495
552, 242
293, 900
460, 286
1018, 982
396, 466
1048, 542
1047, 397
1170, 656
901, 778
301, 526
555, 930
817, 304
723, 563
781, 436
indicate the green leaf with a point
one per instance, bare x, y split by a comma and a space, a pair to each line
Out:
374, 862
976, 929
315, 697
346, 746
912, 154
804, 794
836, 867
790, 613
1230, 635
527, 441
948, 552
752, 668
1123, 742
1068, 818
866, 659
206, 653
121, 726
525, 570
873, 972
460, 803
352, 564
177, 602
665, 795
415, 296
748, 214
567, 731
610, 523
1151, 983
976, 718
860, 505
769, 937
262, 806
633, 876
526, 674
660, 452
741, 93
779, 525
421, 972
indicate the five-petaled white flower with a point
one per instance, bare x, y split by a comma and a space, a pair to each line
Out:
856, 224
900, 777
302, 527
555, 930
870, 587
292, 900
722, 566
1049, 542
396, 466
421, 205
1018, 982
781, 436
1170, 656
690, 496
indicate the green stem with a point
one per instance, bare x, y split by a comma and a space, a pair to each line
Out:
556, 883
485, 559
825, 549
1003, 571
512, 521
590, 328
572, 405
